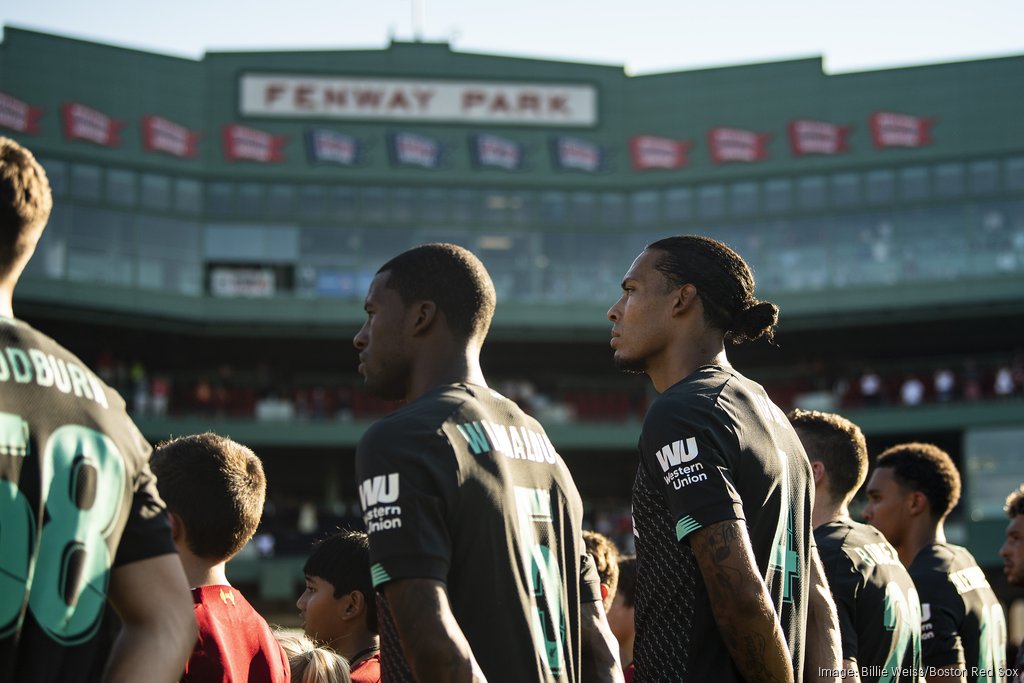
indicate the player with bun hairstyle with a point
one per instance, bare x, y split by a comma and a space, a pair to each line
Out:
722, 496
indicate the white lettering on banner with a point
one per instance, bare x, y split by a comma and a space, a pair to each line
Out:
343, 97
677, 453
380, 489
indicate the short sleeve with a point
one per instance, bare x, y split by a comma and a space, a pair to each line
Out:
147, 532
942, 611
590, 580
406, 481
688, 467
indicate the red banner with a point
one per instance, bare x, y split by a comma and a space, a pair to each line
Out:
649, 151
242, 143
85, 123
161, 135
889, 129
734, 144
817, 137
18, 115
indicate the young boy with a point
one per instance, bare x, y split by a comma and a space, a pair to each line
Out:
214, 489
339, 605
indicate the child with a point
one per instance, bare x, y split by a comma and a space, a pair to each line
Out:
214, 489
339, 607
312, 664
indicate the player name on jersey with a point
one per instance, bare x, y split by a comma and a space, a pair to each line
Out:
877, 553
512, 441
27, 365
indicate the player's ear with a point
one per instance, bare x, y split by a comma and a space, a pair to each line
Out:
177, 527
818, 470
354, 606
918, 503
683, 299
422, 316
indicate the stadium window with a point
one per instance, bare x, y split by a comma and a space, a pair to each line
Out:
50, 259
188, 196
85, 181
57, 174
121, 187
155, 191
613, 209
342, 204
312, 201
521, 211
1014, 174
251, 200
778, 196
880, 187
434, 206
644, 208
552, 208
678, 205
810, 192
100, 247
984, 177
403, 205
327, 244
373, 205
949, 180
743, 199
914, 183
710, 201
168, 255
220, 198
845, 189
281, 201
583, 209
464, 207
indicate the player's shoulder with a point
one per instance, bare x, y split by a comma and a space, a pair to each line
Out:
933, 565
832, 536
419, 418
695, 394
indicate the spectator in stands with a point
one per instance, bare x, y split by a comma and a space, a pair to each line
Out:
945, 384
310, 663
339, 606
159, 395
1012, 553
972, 381
1003, 387
871, 388
621, 614
912, 391
215, 489
606, 560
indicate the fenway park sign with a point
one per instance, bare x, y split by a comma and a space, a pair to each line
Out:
328, 97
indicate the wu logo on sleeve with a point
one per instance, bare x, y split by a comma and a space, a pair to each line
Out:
380, 489
677, 453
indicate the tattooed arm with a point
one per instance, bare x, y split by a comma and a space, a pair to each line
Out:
824, 651
740, 602
432, 641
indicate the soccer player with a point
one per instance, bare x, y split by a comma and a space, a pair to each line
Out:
726, 586
473, 517
215, 489
1012, 553
621, 614
879, 612
80, 518
339, 605
606, 560
963, 633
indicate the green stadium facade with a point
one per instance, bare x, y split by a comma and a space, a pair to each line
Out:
233, 209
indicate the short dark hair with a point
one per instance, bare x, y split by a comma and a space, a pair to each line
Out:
838, 444
25, 201
606, 560
627, 579
216, 486
450, 276
724, 284
928, 469
1015, 503
342, 559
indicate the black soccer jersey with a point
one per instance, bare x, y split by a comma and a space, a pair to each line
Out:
962, 623
879, 612
76, 499
715, 448
463, 487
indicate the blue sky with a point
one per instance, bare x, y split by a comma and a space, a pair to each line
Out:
644, 35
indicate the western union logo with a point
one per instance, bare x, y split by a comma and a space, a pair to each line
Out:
677, 453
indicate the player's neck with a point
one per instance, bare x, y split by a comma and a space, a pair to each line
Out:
452, 366
200, 572
356, 646
6, 298
921, 534
826, 511
682, 360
